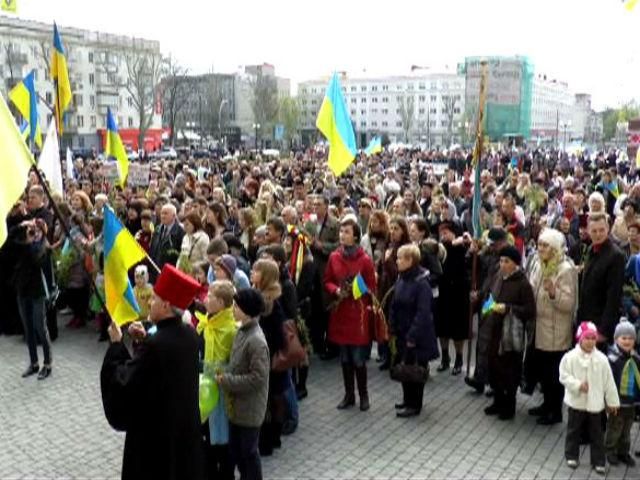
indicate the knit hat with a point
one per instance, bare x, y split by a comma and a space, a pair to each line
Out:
586, 329
228, 264
512, 254
625, 329
553, 238
250, 301
496, 235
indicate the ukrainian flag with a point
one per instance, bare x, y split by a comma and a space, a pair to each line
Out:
359, 287
115, 149
489, 305
375, 146
60, 76
15, 163
121, 252
24, 97
630, 4
334, 123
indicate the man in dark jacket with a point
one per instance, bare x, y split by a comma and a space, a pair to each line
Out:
602, 280
154, 395
166, 241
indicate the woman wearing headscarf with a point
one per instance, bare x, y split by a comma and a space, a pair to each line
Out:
555, 287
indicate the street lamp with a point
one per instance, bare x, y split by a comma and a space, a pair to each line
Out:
256, 127
565, 125
222, 104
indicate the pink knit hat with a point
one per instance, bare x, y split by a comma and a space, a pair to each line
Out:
586, 329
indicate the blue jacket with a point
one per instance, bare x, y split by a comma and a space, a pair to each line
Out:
410, 314
618, 359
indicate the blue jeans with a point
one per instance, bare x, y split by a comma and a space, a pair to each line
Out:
354, 355
32, 312
292, 401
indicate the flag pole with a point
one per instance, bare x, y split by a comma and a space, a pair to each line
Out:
477, 156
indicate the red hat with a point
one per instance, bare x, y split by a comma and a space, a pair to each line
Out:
176, 287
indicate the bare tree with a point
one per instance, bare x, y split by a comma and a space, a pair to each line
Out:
264, 103
144, 69
448, 108
175, 92
407, 110
289, 115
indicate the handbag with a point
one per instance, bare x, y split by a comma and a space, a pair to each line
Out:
409, 373
512, 334
293, 353
380, 329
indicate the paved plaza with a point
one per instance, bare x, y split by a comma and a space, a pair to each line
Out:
56, 428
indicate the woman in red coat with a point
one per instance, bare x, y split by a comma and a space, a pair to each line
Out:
349, 321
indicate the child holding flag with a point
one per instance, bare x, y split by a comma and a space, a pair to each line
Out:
625, 363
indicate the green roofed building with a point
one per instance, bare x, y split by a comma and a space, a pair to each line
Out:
508, 111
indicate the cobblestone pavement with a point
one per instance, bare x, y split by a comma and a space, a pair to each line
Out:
56, 428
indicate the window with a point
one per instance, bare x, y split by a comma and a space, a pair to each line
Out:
374, 124
434, 85
120, 102
444, 123
410, 86
363, 88
120, 121
457, 97
93, 121
385, 99
374, 111
80, 121
354, 100
90, 57
354, 88
314, 102
374, 88
303, 91
385, 111
92, 101
385, 88
422, 98
374, 100
398, 124
130, 102
422, 86
363, 123
49, 98
77, 100
363, 112
313, 90
399, 88
433, 110
456, 110
353, 112
421, 111
92, 79
432, 123
385, 124
363, 100
130, 122
434, 98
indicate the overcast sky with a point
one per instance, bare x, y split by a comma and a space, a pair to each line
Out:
588, 43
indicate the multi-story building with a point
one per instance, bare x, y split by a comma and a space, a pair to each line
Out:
423, 108
552, 111
97, 72
587, 124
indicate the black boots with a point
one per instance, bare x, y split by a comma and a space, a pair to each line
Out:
475, 384
349, 399
301, 385
446, 361
457, 365
361, 377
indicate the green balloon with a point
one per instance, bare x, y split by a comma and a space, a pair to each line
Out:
209, 395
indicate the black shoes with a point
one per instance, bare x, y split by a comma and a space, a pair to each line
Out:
364, 403
493, 409
626, 459
457, 366
549, 419
386, 364
408, 412
32, 370
475, 384
302, 394
347, 401
400, 406
506, 415
45, 371
613, 460
538, 411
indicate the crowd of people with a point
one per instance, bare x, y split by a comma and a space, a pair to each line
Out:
385, 255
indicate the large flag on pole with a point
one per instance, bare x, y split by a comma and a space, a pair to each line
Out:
375, 146
334, 123
60, 76
49, 161
121, 252
10, 5
25, 98
15, 163
477, 153
114, 148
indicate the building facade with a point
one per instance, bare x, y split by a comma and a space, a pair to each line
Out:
97, 72
420, 109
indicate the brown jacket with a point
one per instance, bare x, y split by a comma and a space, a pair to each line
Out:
554, 317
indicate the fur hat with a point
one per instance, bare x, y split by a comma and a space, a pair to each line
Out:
250, 301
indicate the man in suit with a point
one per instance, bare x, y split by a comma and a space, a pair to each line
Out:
166, 241
324, 230
153, 395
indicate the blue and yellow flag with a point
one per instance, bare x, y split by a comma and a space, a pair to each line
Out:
114, 149
488, 305
375, 146
334, 123
359, 287
24, 130
630, 4
60, 76
15, 163
121, 252
24, 97
9, 5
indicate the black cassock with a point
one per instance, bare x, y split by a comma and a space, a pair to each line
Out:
154, 398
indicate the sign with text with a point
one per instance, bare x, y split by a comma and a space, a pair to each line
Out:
138, 175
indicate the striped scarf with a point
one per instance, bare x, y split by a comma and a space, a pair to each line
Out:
630, 379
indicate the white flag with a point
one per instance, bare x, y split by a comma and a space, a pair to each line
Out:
70, 174
49, 161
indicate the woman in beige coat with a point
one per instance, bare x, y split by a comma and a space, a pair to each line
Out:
194, 244
555, 285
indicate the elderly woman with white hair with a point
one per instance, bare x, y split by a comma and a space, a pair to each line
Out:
555, 285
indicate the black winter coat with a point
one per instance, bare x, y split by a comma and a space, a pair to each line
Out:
271, 325
30, 263
154, 398
410, 314
601, 288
